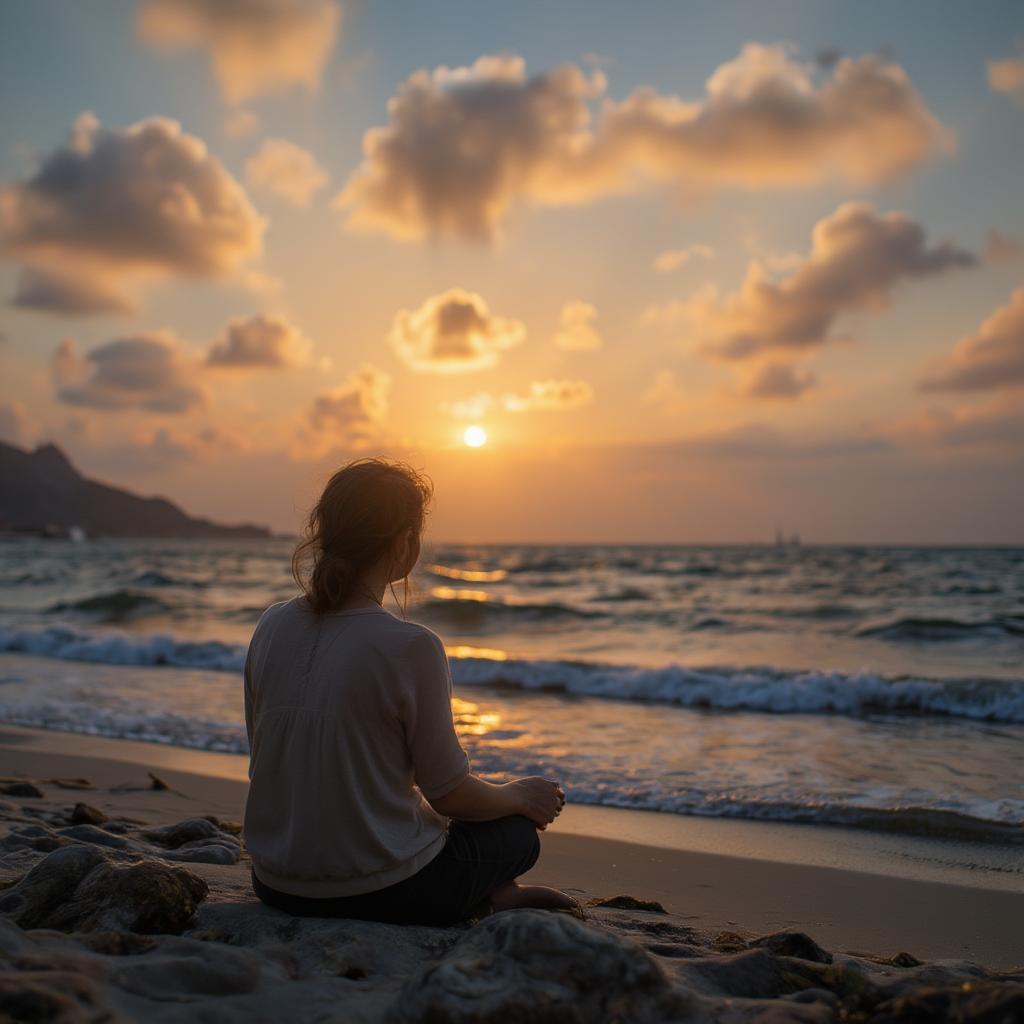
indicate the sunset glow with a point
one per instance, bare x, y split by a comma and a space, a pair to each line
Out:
736, 277
475, 436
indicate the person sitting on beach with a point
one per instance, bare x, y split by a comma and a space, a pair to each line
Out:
361, 801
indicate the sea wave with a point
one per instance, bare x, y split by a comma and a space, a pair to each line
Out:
114, 648
112, 606
727, 688
155, 725
917, 629
471, 607
932, 822
771, 690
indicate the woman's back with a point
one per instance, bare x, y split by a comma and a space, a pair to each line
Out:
345, 712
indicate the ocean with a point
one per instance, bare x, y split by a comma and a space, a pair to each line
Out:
870, 687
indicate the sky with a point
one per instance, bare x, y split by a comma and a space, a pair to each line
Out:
697, 271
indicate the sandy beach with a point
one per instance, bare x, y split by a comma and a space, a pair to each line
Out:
916, 927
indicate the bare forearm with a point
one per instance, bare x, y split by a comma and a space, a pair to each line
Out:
476, 800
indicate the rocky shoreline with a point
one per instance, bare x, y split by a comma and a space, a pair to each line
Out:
114, 919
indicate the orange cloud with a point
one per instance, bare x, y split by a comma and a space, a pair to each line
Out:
991, 358
263, 341
551, 395
995, 425
240, 123
69, 294
348, 416
147, 372
453, 332
1007, 76
548, 395
288, 171
576, 331
115, 206
16, 425
1002, 248
256, 47
779, 380
463, 145
673, 259
857, 258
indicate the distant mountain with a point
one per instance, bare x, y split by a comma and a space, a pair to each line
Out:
42, 494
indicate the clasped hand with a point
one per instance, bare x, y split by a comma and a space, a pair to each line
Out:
541, 799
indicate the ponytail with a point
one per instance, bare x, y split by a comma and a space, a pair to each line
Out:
365, 507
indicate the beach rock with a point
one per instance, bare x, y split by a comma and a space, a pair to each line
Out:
629, 903
94, 835
904, 960
537, 967
182, 832
38, 838
195, 840
80, 888
84, 814
63, 997
21, 789
793, 944
752, 974
729, 942
982, 1002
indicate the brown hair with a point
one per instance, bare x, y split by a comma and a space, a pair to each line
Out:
364, 508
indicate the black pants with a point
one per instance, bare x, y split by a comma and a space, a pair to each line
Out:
476, 858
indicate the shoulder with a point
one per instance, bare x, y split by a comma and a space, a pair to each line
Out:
275, 613
421, 637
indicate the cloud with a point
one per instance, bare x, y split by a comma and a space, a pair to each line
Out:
760, 440
1007, 76
464, 145
1002, 248
664, 391
673, 259
145, 372
550, 395
471, 407
347, 416
256, 47
115, 206
453, 332
999, 425
16, 425
990, 358
69, 295
779, 380
263, 341
547, 395
289, 171
240, 123
857, 258
576, 331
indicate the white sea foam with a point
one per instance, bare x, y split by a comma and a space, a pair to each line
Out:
116, 648
768, 690
757, 689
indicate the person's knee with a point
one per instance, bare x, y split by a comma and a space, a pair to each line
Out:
525, 839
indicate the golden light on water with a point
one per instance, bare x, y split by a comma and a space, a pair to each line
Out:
474, 436
471, 721
459, 594
468, 575
466, 651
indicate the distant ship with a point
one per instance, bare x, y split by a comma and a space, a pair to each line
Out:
782, 542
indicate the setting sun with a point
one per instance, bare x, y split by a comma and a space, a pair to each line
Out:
475, 436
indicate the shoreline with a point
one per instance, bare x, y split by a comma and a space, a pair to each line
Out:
916, 896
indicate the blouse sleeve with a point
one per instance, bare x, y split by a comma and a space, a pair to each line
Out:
438, 759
